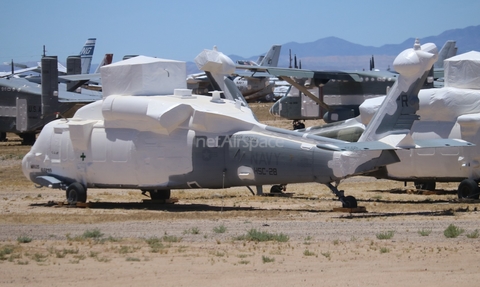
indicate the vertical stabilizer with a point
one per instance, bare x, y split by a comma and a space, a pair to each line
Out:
49, 86
394, 118
448, 50
87, 54
272, 56
107, 60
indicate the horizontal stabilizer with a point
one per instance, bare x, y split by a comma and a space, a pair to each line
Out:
377, 145
356, 146
433, 143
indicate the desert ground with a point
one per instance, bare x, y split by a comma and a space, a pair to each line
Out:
229, 237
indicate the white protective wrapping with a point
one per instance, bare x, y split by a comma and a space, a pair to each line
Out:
218, 64
215, 62
443, 104
463, 71
368, 108
448, 103
143, 76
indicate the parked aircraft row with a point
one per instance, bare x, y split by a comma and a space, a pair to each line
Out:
151, 133
336, 95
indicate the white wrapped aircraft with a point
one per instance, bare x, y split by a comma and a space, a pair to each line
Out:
151, 133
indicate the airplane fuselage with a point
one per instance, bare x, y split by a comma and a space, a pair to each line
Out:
342, 96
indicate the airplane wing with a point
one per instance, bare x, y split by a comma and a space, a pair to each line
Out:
323, 76
6, 74
87, 96
252, 74
79, 77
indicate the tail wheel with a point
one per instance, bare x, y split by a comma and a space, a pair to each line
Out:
76, 192
427, 185
349, 202
468, 188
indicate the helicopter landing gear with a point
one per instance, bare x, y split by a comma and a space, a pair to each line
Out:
280, 188
347, 201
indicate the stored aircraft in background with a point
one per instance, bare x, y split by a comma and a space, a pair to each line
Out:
15, 73
452, 111
253, 85
86, 55
24, 109
151, 133
336, 95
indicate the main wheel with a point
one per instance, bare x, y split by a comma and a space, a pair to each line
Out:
468, 188
28, 138
427, 185
349, 202
76, 192
276, 189
157, 194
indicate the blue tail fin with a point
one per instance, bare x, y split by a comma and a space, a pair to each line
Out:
87, 54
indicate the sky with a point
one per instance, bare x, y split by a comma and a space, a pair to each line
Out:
181, 29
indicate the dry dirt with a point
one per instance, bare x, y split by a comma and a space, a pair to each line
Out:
202, 240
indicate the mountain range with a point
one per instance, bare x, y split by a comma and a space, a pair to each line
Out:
335, 53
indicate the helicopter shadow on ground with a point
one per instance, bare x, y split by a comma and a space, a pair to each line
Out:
445, 212
415, 191
388, 201
172, 207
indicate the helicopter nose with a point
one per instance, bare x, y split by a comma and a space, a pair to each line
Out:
25, 165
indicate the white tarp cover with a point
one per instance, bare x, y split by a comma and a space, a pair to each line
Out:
143, 76
215, 62
463, 71
443, 104
368, 108
447, 104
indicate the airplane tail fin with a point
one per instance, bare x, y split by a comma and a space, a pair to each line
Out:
87, 54
107, 60
271, 58
61, 68
392, 122
448, 50
260, 59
